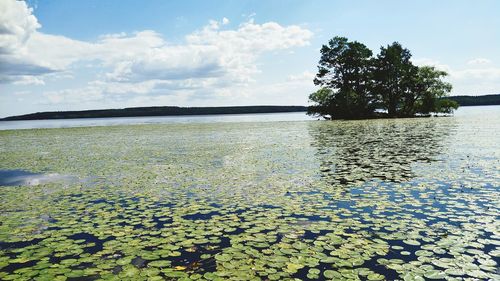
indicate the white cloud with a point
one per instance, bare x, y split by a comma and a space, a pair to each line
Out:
191, 92
432, 62
249, 16
29, 80
90, 93
489, 73
251, 38
209, 62
211, 52
204, 66
296, 88
479, 77
479, 61
93, 92
16, 25
101, 89
306, 76
169, 63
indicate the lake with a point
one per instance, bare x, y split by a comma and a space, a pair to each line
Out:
182, 119
254, 197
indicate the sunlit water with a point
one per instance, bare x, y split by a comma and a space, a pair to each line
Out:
92, 122
411, 199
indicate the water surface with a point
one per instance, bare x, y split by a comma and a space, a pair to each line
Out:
92, 122
407, 199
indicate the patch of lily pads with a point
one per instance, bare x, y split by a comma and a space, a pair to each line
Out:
413, 199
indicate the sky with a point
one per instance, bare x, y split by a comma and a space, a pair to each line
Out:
94, 54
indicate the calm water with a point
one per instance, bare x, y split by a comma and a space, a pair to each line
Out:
398, 199
67, 123
471, 111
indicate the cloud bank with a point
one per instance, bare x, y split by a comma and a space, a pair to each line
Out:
208, 62
478, 76
220, 63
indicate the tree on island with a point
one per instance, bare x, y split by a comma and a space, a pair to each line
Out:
344, 72
355, 84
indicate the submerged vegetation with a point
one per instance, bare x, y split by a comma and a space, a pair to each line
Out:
355, 84
385, 199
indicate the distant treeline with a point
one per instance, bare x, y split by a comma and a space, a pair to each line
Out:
156, 111
175, 110
476, 100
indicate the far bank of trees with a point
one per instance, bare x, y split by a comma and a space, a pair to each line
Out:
477, 100
355, 84
156, 111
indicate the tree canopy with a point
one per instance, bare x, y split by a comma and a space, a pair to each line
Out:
355, 84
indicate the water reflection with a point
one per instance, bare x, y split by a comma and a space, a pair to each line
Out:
21, 177
353, 151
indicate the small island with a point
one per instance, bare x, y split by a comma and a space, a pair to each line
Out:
169, 141
357, 85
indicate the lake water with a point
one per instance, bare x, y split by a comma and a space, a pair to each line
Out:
388, 199
92, 122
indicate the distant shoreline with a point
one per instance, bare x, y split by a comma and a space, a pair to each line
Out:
156, 111
218, 110
476, 100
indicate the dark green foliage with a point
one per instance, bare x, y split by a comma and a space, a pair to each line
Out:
394, 78
446, 105
355, 84
428, 90
344, 67
156, 111
477, 100
324, 102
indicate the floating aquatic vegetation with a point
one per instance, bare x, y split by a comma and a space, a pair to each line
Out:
412, 199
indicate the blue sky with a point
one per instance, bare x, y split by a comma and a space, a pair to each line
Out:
74, 55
